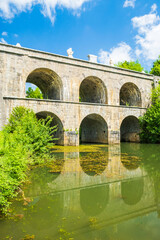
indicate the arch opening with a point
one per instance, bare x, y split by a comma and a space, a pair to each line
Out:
48, 82
93, 90
130, 129
93, 129
132, 191
130, 95
59, 134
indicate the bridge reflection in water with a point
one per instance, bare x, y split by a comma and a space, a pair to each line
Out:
87, 194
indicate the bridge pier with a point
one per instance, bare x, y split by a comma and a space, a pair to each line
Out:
71, 138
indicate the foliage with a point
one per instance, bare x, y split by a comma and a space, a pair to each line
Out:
135, 66
155, 70
30, 93
150, 122
25, 141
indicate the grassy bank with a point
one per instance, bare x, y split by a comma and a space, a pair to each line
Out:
24, 142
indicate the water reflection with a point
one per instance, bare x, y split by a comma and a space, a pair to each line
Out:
94, 163
132, 191
92, 195
94, 200
49, 207
41, 176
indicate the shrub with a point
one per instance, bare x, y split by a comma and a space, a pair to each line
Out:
25, 141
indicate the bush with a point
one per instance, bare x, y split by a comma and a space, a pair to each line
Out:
25, 141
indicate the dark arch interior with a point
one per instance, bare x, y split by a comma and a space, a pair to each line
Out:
130, 95
132, 191
130, 130
93, 90
93, 129
48, 82
94, 200
56, 121
93, 163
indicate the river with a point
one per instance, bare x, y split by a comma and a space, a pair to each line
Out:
94, 192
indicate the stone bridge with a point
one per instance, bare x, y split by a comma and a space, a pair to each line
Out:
89, 102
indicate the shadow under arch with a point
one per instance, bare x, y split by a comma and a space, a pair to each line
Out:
132, 190
93, 200
130, 95
93, 129
130, 129
56, 121
48, 82
93, 90
93, 163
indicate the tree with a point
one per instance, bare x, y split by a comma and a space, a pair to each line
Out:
30, 93
155, 70
135, 66
150, 122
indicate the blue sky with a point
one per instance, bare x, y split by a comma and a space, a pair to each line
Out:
116, 29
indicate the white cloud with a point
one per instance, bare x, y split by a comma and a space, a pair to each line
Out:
118, 54
2, 40
9, 8
15, 35
153, 8
148, 37
129, 3
4, 34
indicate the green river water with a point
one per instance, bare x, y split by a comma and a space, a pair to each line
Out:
94, 192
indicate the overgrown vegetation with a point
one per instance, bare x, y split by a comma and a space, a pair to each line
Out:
30, 93
135, 66
25, 141
156, 67
150, 122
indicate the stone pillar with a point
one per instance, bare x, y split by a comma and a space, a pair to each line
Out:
71, 138
113, 136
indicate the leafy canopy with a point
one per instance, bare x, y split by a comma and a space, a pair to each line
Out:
155, 70
150, 122
30, 93
135, 66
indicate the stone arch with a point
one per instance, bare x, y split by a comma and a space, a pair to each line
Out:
132, 190
93, 129
93, 89
56, 121
130, 129
130, 95
94, 200
48, 82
